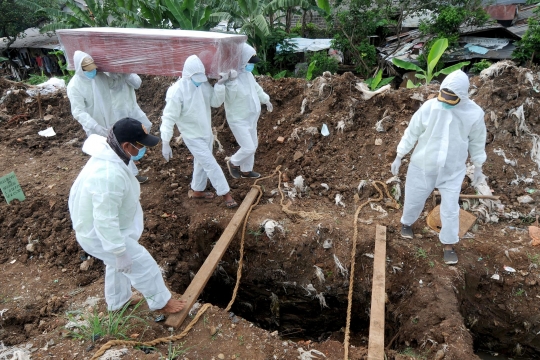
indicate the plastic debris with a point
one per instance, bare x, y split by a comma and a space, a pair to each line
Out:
309, 355
525, 199
48, 132
496, 69
270, 227
304, 105
51, 86
500, 152
417, 96
194, 309
339, 199
319, 273
299, 183
522, 126
340, 126
159, 318
322, 300
16, 352
363, 184
367, 93
343, 271
327, 244
496, 277
325, 186
114, 354
378, 208
324, 130
369, 255
378, 142
509, 269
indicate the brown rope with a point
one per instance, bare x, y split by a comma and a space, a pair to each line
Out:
312, 215
353, 256
241, 261
162, 340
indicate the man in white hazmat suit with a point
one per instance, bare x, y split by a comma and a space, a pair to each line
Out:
108, 219
91, 102
243, 107
124, 104
445, 128
188, 107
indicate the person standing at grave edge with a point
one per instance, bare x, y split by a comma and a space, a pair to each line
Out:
243, 101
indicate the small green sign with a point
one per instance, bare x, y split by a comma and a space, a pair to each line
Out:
11, 188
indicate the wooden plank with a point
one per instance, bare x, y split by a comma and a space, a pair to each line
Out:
207, 269
378, 298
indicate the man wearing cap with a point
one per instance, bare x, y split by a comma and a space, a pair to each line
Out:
108, 220
91, 101
242, 108
189, 101
446, 128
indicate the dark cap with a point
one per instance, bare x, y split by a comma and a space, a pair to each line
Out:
254, 59
448, 96
133, 131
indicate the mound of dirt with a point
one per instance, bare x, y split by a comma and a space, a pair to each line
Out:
430, 307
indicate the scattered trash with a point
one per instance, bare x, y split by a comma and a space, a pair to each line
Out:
496, 277
159, 318
417, 96
270, 227
194, 309
327, 244
114, 354
509, 269
17, 352
339, 199
369, 255
324, 130
378, 208
319, 273
48, 132
340, 126
500, 152
325, 186
378, 141
2, 312
13, 261
362, 184
299, 183
368, 94
343, 271
309, 355
51, 86
525, 199
322, 300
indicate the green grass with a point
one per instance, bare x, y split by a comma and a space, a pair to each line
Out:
534, 259
519, 292
411, 353
116, 324
421, 253
256, 233
174, 352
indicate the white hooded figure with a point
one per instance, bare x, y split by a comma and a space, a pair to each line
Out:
108, 219
445, 130
89, 95
124, 100
242, 108
92, 104
189, 101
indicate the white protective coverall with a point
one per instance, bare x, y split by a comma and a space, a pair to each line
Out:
188, 107
108, 220
444, 136
90, 99
243, 107
124, 100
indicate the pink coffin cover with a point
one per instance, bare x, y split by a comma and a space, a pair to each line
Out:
153, 51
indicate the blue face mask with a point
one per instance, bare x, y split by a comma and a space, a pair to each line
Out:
250, 67
197, 84
91, 74
141, 153
447, 106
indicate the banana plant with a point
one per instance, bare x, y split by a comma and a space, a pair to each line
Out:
434, 56
377, 81
189, 14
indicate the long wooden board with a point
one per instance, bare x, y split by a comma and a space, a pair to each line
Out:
378, 298
207, 269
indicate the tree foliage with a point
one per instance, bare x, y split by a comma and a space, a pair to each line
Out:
528, 48
15, 18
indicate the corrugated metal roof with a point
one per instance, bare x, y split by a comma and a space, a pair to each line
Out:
526, 12
502, 12
33, 39
503, 2
519, 30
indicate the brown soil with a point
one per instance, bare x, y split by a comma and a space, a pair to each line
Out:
430, 306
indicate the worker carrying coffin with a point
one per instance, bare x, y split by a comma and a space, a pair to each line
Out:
445, 128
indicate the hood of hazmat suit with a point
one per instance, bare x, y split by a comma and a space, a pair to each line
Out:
188, 106
90, 98
104, 200
124, 100
244, 96
444, 135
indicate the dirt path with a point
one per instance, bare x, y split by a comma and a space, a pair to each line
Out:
430, 307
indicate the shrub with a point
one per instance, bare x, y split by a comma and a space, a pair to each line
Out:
321, 63
479, 66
